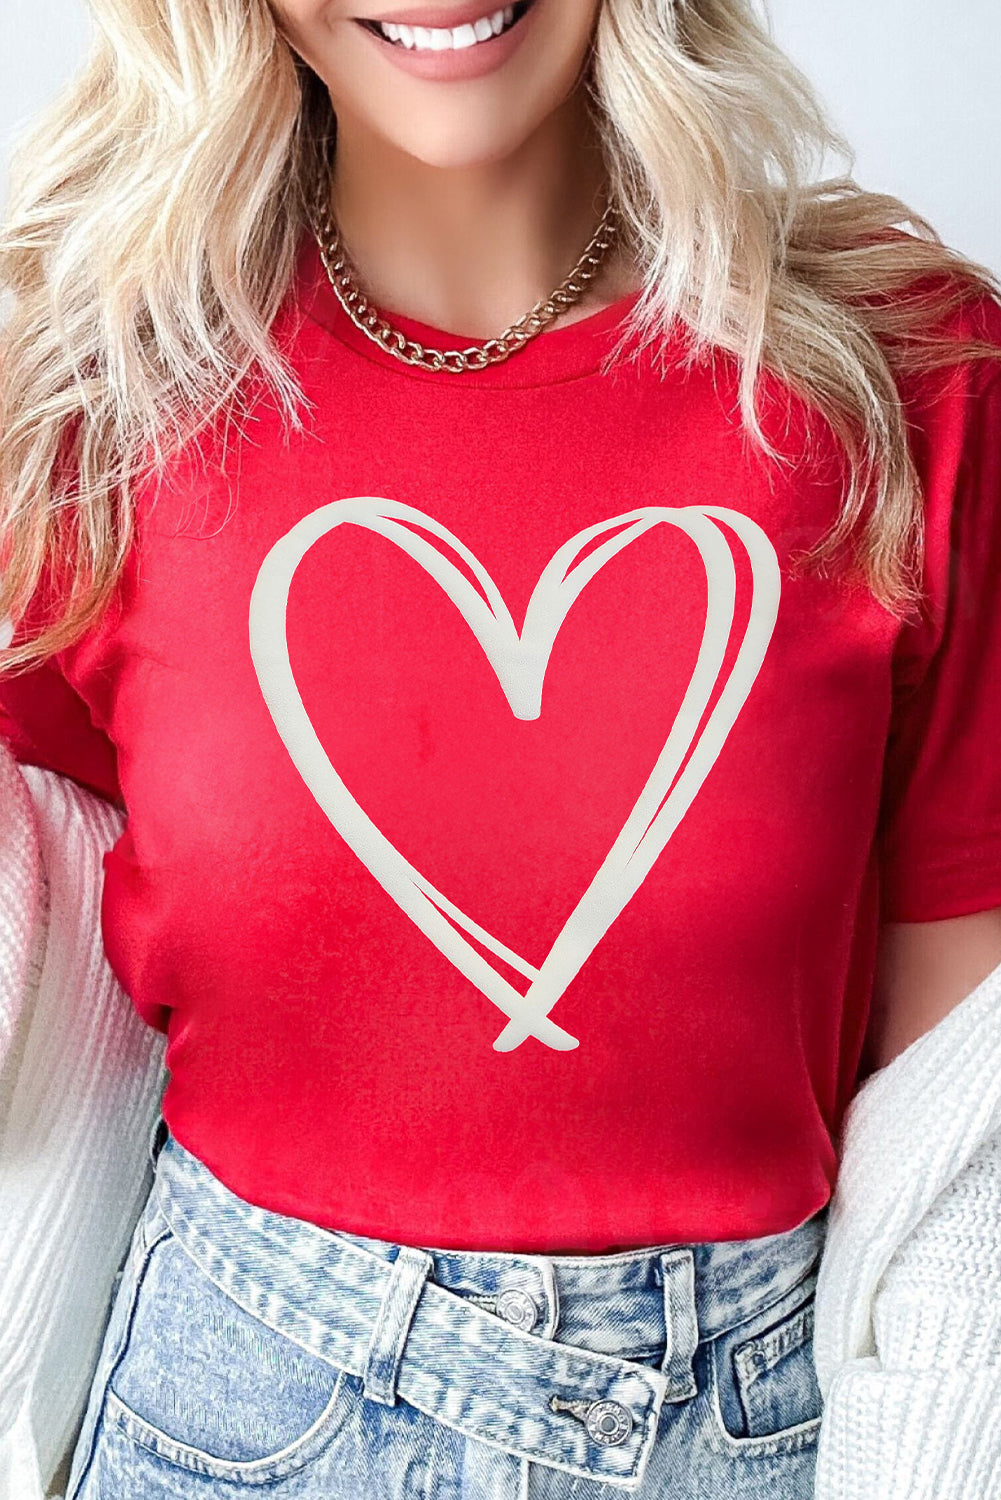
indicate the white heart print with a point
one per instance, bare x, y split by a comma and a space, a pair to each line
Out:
520, 662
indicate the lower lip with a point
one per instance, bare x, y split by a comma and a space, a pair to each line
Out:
449, 64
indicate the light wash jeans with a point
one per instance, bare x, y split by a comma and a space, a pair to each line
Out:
251, 1355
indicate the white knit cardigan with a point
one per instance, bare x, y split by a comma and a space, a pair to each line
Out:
907, 1333
80, 1082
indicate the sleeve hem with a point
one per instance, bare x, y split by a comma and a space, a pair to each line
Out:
968, 883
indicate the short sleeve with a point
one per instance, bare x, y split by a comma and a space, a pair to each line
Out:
43, 718
940, 818
45, 722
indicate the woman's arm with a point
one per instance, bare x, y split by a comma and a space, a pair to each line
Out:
923, 970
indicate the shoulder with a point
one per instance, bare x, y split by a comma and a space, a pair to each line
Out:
936, 312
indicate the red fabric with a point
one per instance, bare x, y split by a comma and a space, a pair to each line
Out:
328, 872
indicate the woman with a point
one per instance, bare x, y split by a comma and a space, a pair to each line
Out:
548, 764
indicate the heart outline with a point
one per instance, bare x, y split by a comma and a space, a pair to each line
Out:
519, 661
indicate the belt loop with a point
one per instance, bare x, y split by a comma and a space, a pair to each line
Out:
681, 1322
156, 1140
407, 1275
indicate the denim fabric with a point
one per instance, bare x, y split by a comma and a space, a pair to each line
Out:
249, 1353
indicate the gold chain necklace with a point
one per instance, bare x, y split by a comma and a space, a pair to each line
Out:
475, 356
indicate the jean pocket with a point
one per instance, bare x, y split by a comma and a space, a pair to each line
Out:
206, 1386
763, 1390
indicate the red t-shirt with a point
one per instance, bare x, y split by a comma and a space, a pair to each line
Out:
508, 824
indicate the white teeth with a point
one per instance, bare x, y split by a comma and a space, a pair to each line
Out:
443, 38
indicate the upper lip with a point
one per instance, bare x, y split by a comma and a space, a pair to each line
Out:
439, 16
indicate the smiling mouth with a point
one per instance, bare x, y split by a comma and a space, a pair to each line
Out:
450, 38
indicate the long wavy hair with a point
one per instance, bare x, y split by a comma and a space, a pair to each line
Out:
156, 209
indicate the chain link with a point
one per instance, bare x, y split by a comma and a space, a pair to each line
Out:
364, 316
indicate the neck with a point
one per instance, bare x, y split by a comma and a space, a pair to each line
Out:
470, 249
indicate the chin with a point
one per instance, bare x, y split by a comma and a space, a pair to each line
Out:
452, 146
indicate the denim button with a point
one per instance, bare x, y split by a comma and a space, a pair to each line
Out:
518, 1308
608, 1423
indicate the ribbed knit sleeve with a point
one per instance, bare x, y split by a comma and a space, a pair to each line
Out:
908, 1313
80, 1084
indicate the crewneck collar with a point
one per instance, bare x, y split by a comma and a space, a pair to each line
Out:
563, 352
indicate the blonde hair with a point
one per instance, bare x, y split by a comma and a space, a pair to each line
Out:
157, 207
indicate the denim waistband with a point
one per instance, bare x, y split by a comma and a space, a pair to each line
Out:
514, 1349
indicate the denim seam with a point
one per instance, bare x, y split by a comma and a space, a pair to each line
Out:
264, 1470
146, 1244
760, 1308
788, 1440
799, 1436
760, 1353
251, 1312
